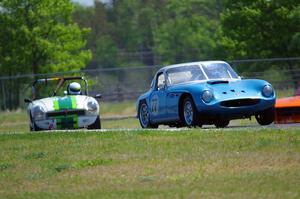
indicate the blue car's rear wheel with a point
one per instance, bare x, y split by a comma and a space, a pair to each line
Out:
189, 112
144, 116
222, 123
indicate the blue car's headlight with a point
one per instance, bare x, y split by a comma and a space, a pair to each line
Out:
267, 91
38, 113
207, 96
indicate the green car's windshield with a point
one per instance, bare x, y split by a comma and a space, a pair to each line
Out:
49, 87
44, 89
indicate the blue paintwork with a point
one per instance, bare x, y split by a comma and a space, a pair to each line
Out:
164, 104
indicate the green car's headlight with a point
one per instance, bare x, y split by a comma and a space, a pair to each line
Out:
92, 107
267, 91
207, 96
38, 113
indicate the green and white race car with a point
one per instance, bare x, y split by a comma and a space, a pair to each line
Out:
62, 103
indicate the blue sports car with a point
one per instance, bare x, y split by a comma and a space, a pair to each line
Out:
198, 93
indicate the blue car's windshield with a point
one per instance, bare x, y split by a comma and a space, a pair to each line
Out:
207, 71
219, 71
183, 74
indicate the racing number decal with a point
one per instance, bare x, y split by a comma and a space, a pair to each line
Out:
154, 105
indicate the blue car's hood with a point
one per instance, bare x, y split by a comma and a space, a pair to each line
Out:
222, 89
238, 89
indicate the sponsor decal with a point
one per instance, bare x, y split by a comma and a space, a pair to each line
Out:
154, 105
51, 125
237, 94
71, 121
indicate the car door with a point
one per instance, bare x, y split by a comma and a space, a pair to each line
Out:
158, 99
172, 99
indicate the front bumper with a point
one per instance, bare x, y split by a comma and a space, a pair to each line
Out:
234, 110
74, 122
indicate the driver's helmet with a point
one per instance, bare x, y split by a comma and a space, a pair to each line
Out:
74, 88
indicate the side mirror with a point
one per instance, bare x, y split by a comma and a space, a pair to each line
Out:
65, 93
98, 96
26, 100
161, 87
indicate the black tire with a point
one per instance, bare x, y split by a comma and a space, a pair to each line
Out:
35, 128
200, 125
144, 116
222, 123
265, 117
96, 124
188, 112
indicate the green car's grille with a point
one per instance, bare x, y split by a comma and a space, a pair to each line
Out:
65, 113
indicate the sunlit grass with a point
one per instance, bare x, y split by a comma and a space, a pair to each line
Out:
118, 108
285, 93
199, 163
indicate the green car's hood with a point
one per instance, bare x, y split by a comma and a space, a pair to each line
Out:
68, 102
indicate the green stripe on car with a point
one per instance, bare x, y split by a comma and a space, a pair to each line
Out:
71, 121
63, 103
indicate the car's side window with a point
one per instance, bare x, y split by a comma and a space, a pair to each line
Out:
160, 84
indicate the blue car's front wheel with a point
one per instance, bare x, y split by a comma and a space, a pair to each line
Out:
144, 116
189, 112
265, 117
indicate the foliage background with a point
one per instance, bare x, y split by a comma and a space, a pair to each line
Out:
59, 35
50, 36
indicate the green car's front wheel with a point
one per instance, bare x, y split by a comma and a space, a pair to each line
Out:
96, 124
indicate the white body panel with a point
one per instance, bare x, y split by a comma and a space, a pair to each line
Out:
76, 110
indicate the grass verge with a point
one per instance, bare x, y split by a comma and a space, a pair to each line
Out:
198, 163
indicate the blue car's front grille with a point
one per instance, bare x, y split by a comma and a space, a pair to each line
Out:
240, 102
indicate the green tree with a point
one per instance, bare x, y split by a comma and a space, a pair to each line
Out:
100, 40
38, 36
189, 31
261, 28
106, 52
134, 23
